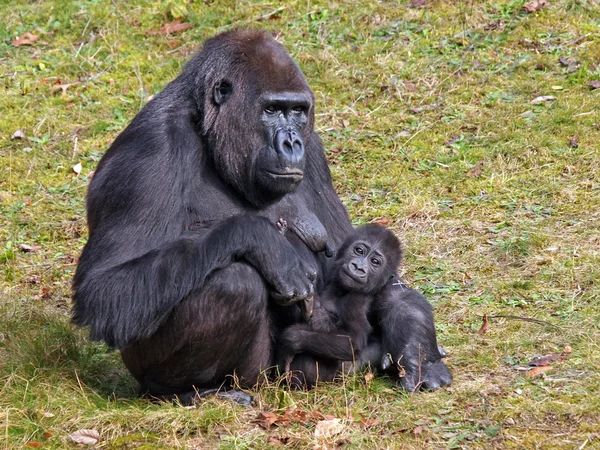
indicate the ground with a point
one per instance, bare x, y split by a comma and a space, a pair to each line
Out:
470, 128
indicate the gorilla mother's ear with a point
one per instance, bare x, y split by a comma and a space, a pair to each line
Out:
222, 91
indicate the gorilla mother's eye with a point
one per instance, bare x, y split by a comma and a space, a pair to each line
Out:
298, 109
271, 109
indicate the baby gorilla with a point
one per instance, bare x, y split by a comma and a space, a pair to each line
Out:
339, 328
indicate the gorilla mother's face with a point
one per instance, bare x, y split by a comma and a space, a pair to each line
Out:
263, 117
280, 165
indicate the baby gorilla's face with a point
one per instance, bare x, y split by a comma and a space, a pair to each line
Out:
367, 259
362, 268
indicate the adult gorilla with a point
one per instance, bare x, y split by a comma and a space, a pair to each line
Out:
183, 272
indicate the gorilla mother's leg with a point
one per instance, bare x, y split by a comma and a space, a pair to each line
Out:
220, 330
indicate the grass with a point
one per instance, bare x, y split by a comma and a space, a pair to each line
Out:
428, 121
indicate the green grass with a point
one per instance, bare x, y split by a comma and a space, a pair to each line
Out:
428, 122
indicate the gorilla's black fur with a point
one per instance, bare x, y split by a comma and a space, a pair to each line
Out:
184, 271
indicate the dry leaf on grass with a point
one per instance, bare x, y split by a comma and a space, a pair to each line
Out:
169, 28
535, 5
485, 325
549, 359
543, 360
328, 428
25, 39
382, 221
368, 422
574, 141
265, 419
594, 84
19, 134
542, 99
85, 437
62, 87
26, 248
77, 168
537, 371
475, 172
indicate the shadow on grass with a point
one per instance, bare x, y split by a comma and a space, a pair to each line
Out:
41, 341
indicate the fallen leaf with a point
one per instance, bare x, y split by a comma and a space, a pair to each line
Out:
328, 428
417, 3
368, 422
33, 444
382, 221
77, 168
475, 172
574, 141
173, 43
19, 134
594, 84
345, 123
564, 62
174, 27
62, 87
26, 248
265, 419
369, 377
542, 99
535, 5
537, 371
485, 325
316, 415
410, 86
567, 350
25, 39
543, 360
36, 279
85, 437
418, 430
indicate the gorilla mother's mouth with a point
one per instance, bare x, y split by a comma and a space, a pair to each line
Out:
292, 174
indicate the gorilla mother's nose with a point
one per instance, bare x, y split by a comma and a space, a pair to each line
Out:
289, 145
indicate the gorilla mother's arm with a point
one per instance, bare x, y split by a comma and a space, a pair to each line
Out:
130, 300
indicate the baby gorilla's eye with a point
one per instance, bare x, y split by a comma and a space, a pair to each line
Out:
359, 250
375, 262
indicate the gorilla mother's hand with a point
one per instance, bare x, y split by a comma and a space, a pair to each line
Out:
290, 277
